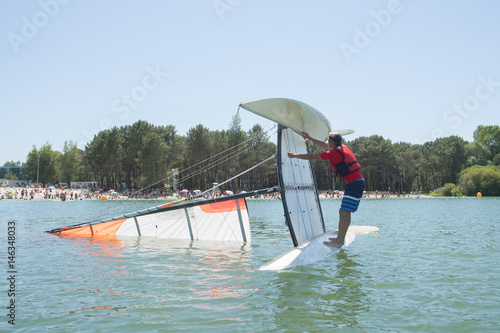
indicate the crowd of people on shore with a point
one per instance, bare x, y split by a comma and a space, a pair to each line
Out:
67, 194
371, 195
57, 193
39, 193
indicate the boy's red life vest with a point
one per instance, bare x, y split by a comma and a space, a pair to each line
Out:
348, 164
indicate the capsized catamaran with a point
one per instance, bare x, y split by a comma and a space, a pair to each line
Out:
226, 218
219, 219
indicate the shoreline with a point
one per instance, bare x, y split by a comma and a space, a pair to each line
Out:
55, 194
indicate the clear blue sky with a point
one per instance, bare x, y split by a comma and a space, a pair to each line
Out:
410, 71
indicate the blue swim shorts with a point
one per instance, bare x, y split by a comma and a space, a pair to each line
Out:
352, 196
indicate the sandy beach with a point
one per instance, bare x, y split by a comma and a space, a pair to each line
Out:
65, 194
68, 194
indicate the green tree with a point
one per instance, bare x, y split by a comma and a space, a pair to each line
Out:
31, 164
217, 163
406, 166
168, 135
448, 156
259, 148
96, 152
154, 158
43, 162
19, 172
10, 176
489, 136
132, 144
71, 162
104, 153
440, 162
496, 159
199, 147
448, 190
237, 138
484, 179
377, 159
86, 172
476, 153
236, 134
115, 151
12, 163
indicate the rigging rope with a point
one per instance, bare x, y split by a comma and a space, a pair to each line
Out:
253, 138
213, 164
225, 217
248, 170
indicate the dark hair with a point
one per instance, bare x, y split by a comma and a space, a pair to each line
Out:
336, 138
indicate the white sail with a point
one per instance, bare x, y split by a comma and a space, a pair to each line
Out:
221, 219
298, 189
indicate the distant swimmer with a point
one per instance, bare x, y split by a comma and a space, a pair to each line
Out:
345, 165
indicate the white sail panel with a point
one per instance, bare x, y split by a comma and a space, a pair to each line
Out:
222, 219
300, 196
169, 224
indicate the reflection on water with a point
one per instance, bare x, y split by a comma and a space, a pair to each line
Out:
96, 246
158, 283
160, 278
329, 298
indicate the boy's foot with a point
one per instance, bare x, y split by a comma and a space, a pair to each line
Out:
334, 243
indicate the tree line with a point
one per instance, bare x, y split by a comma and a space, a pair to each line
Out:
140, 155
145, 155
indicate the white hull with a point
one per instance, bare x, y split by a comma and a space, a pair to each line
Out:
313, 250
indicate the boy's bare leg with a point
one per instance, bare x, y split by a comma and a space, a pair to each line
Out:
344, 222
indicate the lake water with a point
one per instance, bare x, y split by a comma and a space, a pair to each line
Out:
434, 266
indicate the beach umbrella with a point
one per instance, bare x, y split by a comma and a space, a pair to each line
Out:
10, 190
229, 192
51, 188
184, 191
